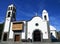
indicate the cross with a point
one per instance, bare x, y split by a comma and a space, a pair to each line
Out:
36, 14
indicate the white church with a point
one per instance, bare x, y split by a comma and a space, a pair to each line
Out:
37, 29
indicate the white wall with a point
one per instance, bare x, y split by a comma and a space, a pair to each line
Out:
53, 31
23, 33
11, 33
42, 26
6, 25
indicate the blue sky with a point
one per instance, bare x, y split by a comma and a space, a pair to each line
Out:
26, 9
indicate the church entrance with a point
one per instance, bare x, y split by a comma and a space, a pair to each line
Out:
17, 37
36, 36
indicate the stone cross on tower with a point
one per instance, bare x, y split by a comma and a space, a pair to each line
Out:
36, 14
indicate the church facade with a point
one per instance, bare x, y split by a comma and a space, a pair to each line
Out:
36, 29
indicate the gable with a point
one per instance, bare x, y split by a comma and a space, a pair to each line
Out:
36, 19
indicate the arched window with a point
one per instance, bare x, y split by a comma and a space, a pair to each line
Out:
14, 9
9, 14
45, 17
11, 8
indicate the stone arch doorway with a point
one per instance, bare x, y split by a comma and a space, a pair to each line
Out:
37, 36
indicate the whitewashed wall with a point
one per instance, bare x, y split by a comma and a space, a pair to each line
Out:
7, 24
11, 33
23, 33
53, 31
42, 27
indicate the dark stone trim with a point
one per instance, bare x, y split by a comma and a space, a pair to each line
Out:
11, 40
45, 40
23, 40
48, 28
26, 31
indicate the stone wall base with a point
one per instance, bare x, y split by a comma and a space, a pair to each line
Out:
11, 40
46, 40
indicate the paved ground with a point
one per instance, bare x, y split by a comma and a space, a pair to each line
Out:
29, 43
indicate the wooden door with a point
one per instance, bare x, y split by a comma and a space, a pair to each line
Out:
17, 37
36, 35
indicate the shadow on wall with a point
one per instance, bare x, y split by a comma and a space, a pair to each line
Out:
53, 39
1, 29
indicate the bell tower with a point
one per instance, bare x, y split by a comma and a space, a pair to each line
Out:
10, 17
45, 15
11, 11
45, 18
